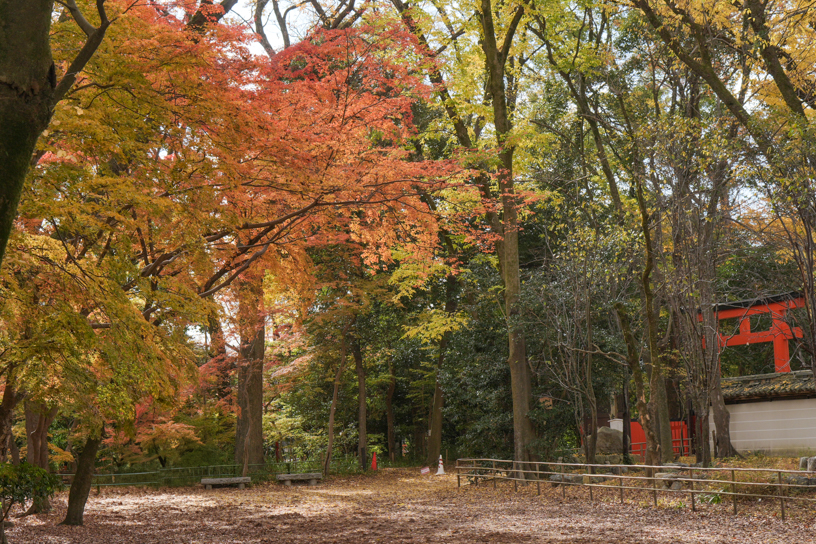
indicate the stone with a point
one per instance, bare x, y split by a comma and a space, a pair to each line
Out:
803, 463
609, 441
609, 459
811, 464
571, 478
240, 481
311, 477
801, 480
668, 479
556, 479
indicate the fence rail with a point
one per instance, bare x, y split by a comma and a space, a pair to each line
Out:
179, 476
697, 483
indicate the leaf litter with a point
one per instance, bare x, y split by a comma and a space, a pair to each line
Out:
400, 506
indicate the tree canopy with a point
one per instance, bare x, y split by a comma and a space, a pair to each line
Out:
232, 232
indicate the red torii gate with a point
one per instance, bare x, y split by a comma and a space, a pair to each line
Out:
779, 333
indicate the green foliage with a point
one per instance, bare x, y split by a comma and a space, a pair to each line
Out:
478, 416
24, 482
711, 498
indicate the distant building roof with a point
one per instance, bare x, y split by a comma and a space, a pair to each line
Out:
784, 385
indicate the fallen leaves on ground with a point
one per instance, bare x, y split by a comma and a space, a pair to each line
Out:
400, 506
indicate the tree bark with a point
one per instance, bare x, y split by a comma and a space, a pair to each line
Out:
592, 401
702, 450
249, 427
341, 366
496, 58
27, 83
722, 420
38, 418
627, 420
633, 361
435, 427
11, 398
389, 412
362, 443
657, 380
81, 486
218, 357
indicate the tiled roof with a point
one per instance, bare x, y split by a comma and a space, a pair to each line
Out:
769, 386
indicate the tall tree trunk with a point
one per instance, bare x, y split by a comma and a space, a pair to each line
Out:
657, 379
389, 412
218, 357
14, 451
38, 418
11, 398
249, 427
27, 82
722, 420
592, 401
362, 443
633, 360
341, 366
627, 420
496, 58
435, 427
701, 431
81, 486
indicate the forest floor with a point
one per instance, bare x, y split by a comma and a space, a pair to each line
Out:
400, 506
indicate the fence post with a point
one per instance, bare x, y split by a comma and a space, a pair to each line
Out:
458, 474
781, 494
654, 488
693, 505
563, 484
494, 475
620, 481
734, 490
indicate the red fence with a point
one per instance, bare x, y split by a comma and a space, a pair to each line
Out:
681, 441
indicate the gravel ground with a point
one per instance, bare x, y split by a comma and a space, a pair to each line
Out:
400, 506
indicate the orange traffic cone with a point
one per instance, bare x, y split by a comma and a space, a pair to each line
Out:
441, 470
374, 461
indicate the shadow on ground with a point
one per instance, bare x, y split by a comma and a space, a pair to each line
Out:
393, 506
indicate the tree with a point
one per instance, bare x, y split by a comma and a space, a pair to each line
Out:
763, 41
497, 31
21, 483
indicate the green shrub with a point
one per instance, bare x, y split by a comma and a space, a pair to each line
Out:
22, 483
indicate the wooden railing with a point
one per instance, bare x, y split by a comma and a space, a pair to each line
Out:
709, 484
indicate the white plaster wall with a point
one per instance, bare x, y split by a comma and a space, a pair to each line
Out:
780, 426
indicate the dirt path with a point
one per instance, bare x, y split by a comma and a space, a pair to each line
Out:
397, 506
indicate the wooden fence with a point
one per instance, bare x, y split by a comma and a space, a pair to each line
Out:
180, 476
711, 485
